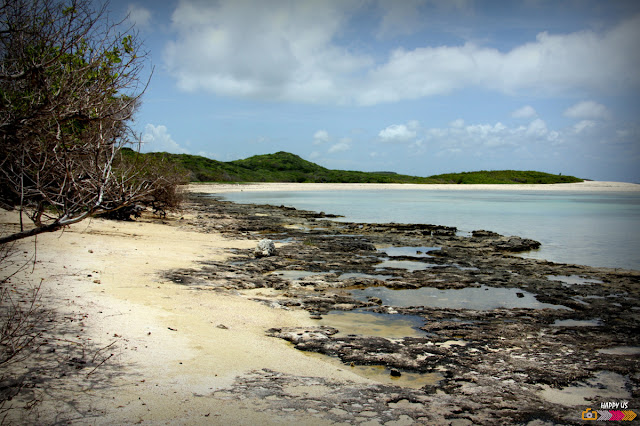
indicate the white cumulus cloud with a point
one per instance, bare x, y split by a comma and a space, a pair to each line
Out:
274, 50
459, 138
457, 123
537, 128
343, 145
158, 139
588, 109
287, 51
583, 125
399, 132
139, 15
321, 136
526, 111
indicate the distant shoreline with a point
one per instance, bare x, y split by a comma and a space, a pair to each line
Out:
592, 186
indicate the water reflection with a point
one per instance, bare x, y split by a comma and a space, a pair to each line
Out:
381, 277
374, 324
408, 251
480, 298
409, 265
573, 279
381, 374
294, 275
621, 350
577, 323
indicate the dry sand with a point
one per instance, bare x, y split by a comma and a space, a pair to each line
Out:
169, 350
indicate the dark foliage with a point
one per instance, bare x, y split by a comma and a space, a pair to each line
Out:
504, 177
70, 82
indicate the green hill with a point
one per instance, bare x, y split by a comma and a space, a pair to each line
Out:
287, 167
504, 176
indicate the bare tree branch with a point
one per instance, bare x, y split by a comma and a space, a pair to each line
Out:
70, 82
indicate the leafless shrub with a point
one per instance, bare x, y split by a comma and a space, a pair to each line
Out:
22, 319
165, 194
70, 82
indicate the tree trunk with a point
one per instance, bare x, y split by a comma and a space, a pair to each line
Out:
52, 227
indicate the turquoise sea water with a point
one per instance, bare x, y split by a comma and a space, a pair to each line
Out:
589, 228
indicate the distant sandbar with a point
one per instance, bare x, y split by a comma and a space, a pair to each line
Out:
594, 186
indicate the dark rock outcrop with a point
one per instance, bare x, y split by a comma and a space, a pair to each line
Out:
494, 362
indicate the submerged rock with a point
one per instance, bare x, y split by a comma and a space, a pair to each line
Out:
516, 244
485, 234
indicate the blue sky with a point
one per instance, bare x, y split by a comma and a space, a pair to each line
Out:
418, 87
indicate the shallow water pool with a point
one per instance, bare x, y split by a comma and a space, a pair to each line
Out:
480, 298
382, 374
373, 324
409, 265
573, 280
408, 251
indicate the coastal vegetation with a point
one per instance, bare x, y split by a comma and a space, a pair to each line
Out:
505, 177
278, 167
287, 167
70, 83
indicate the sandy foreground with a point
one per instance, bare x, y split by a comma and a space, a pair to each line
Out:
173, 348
600, 186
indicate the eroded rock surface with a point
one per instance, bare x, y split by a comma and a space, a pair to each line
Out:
496, 363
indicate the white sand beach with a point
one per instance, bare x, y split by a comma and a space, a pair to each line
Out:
172, 345
580, 186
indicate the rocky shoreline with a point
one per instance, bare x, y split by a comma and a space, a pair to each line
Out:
508, 363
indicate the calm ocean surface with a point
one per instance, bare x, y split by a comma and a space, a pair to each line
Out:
588, 228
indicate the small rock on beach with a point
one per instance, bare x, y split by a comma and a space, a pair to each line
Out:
265, 248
